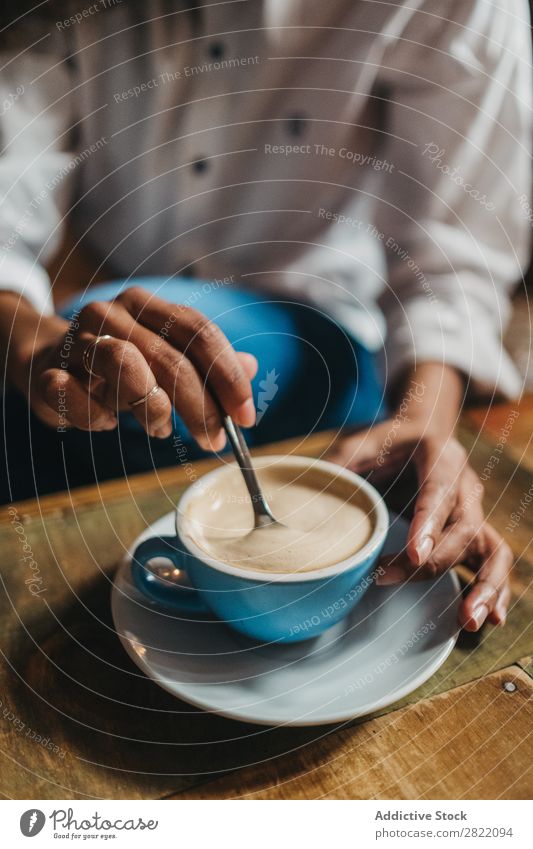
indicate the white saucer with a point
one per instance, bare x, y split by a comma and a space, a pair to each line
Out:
394, 640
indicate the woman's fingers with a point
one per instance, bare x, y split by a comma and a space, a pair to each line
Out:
456, 540
393, 467
498, 615
191, 398
358, 451
439, 468
448, 527
380, 449
452, 549
126, 378
202, 341
70, 405
249, 363
490, 593
173, 371
395, 569
462, 530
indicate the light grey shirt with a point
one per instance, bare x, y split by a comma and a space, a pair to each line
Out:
370, 158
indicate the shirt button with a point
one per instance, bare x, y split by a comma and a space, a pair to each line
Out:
296, 125
216, 50
200, 165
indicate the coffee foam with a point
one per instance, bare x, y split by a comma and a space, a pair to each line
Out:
327, 519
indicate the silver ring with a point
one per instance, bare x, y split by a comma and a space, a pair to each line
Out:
153, 391
87, 353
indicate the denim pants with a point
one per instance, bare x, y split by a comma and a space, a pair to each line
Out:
312, 376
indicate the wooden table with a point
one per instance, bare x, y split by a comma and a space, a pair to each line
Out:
78, 719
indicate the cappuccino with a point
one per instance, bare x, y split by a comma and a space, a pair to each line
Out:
325, 520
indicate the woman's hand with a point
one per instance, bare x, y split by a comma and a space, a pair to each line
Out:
448, 526
152, 342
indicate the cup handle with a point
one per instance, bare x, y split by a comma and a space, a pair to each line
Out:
166, 591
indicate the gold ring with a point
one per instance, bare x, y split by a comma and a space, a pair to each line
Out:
87, 353
148, 395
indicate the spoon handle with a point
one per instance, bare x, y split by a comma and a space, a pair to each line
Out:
263, 514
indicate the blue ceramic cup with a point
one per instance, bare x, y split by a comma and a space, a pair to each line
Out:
271, 607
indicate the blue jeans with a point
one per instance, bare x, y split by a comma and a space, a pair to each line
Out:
311, 377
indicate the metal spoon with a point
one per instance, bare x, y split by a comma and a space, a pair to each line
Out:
262, 512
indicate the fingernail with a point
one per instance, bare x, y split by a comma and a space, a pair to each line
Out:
109, 423
203, 442
252, 363
479, 614
162, 432
424, 549
392, 575
218, 442
245, 414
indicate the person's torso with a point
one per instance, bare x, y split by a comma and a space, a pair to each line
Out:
214, 143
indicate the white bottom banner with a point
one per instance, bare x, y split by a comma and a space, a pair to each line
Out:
219, 824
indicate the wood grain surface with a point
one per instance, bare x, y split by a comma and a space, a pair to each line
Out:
473, 742
509, 425
78, 719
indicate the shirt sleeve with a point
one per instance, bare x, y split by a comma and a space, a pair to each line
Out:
453, 214
35, 167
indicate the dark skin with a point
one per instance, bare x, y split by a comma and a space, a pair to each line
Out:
199, 374
193, 363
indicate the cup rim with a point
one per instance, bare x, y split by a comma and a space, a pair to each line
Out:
377, 537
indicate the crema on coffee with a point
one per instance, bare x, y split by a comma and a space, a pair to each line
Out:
326, 519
